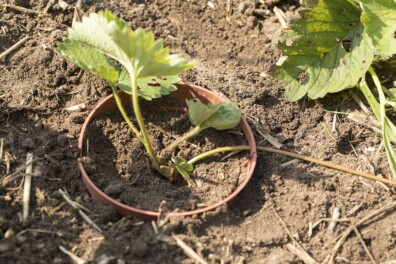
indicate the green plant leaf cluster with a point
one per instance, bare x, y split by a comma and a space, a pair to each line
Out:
134, 62
217, 116
101, 40
137, 50
333, 46
327, 50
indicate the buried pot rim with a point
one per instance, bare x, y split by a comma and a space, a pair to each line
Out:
184, 91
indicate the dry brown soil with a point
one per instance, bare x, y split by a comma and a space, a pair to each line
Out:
234, 54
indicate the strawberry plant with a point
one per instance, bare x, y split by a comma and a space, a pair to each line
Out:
333, 46
134, 62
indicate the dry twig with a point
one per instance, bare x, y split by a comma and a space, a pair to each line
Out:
189, 251
334, 218
10, 177
13, 47
22, 9
281, 17
262, 131
295, 247
27, 187
33, 231
77, 12
364, 245
76, 107
73, 204
80, 209
365, 121
369, 216
89, 221
359, 102
74, 257
327, 164
1, 149
49, 5
229, 11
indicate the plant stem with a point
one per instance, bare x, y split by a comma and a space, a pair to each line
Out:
136, 109
123, 113
293, 155
215, 151
167, 151
375, 107
384, 123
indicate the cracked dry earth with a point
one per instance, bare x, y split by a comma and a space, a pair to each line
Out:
235, 51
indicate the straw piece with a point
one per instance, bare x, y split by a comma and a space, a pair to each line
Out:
27, 187
13, 47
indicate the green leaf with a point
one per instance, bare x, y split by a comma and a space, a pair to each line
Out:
309, 3
386, 129
183, 167
149, 87
218, 116
89, 59
379, 19
393, 92
137, 50
327, 50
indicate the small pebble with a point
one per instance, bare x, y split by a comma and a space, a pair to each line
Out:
5, 247
64, 5
246, 213
242, 7
77, 119
251, 22
89, 165
9, 233
139, 248
28, 143
108, 214
62, 139
21, 239
249, 11
114, 189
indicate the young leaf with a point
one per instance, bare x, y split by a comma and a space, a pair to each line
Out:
138, 51
89, 59
185, 169
379, 19
149, 87
327, 50
218, 116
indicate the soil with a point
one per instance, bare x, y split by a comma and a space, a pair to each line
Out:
118, 163
235, 52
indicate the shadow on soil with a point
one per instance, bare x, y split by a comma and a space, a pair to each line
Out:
24, 131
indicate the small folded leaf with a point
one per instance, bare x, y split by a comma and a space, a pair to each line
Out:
185, 169
149, 87
218, 116
89, 59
